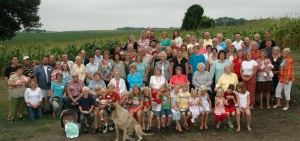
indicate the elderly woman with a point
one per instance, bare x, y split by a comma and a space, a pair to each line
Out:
286, 78
254, 51
79, 68
263, 85
248, 71
157, 81
202, 77
236, 64
56, 70
90, 69
141, 67
33, 97
16, 83
134, 78
119, 65
179, 61
276, 60
58, 92
164, 65
106, 67
97, 81
227, 79
179, 78
120, 86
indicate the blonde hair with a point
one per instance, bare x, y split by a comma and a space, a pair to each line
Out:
78, 57
85, 88
219, 91
98, 88
194, 92
111, 85
127, 93
146, 88
202, 88
241, 86
163, 54
288, 50
140, 91
103, 90
184, 85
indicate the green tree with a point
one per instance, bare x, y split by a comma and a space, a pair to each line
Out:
192, 18
18, 14
207, 22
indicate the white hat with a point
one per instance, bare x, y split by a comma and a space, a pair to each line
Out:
25, 57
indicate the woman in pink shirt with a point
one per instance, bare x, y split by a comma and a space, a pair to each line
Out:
179, 78
202, 48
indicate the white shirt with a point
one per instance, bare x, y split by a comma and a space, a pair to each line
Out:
178, 41
122, 85
98, 59
219, 48
191, 45
247, 67
147, 60
45, 69
33, 96
243, 98
206, 56
155, 106
70, 64
238, 45
157, 81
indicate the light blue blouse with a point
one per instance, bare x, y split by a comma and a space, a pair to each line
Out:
141, 68
136, 79
218, 69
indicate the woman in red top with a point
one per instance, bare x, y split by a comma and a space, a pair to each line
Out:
237, 63
178, 78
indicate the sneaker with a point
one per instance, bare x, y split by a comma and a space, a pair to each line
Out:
230, 124
112, 127
100, 129
218, 126
95, 131
105, 129
193, 120
163, 130
85, 130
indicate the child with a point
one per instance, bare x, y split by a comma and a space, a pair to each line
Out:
205, 106
112, 97
137, 103
86, 106
156, 108
175, 109
146, 107
166, 108
97, 95
243, 101
220, 107
35, 63
267, 67
126, 101
194, 105
183, 104
231, 100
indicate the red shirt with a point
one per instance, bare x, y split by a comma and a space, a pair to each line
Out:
114, 97
255, 54
230, 102
103, 100
179, 79
158, 101
237, 67
147, 101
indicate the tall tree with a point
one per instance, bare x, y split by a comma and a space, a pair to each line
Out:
193, 17
18, 14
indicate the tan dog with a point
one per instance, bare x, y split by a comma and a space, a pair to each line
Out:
124, 121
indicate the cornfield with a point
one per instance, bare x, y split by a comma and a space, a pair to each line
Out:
285, 31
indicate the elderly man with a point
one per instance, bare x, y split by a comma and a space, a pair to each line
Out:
247, 42
65, 59
98, 56
268, 38
42, 75
215, 44
188, 39
173, 45
207, 40
28, 72
221, 43
238, 42
228, 42
257, 39
85, 60
74, 91
193, 43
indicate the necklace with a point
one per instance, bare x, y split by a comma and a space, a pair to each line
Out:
157, 80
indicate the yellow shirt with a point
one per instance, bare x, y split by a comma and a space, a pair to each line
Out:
183, 99
225, 80
207, 42
80, 70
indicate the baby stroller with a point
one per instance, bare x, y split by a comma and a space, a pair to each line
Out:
69, 121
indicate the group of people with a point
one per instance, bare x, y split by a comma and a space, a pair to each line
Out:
165, 78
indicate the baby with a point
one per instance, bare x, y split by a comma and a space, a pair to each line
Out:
267, 67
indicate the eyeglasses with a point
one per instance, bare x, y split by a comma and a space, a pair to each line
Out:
74, 76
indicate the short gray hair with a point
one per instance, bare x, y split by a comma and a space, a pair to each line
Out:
200, 64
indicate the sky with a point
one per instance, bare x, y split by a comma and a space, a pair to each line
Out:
69, 15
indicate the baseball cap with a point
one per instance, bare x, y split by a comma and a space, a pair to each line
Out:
25, 57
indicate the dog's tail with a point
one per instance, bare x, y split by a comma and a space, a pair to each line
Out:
148, 134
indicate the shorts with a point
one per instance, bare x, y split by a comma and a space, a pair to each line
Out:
133, 108
46, 92
144, 113
157, 113
97, 110
176, 115
186, 111
230, 109
166, 112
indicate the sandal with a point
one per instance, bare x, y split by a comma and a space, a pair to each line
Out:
268, 107
261, 107
276, 106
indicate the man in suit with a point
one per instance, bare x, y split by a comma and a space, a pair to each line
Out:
85, 60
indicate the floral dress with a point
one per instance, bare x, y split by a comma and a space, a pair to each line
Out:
107, 68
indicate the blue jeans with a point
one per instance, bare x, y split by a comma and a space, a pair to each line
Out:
90, 120
34, 113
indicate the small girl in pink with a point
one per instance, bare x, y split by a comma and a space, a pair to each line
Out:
220, 107
194, 105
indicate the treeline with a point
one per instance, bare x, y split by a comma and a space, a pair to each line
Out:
229, 21
141, 28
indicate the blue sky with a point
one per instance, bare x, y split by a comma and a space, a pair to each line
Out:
66, 15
